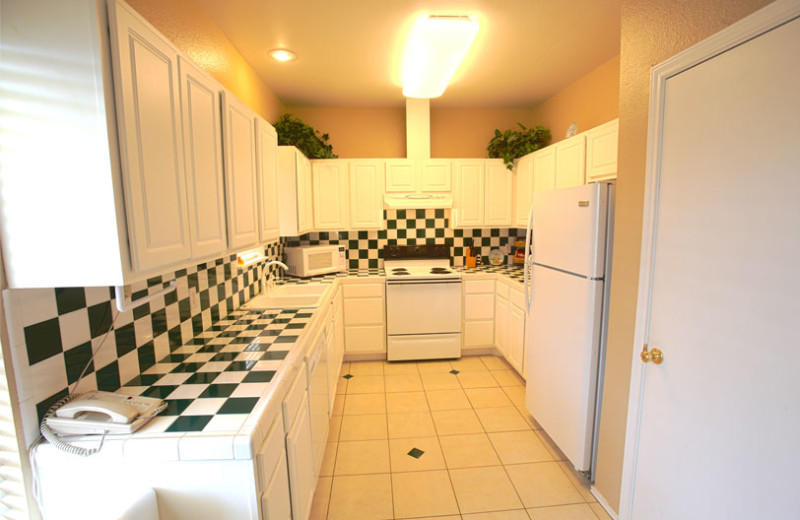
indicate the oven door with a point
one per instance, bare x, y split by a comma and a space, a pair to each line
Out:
423, 307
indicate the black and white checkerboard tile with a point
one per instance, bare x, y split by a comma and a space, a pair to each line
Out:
512, 271
410, 227
214, 381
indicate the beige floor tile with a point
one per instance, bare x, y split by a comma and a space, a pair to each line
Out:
363, 427
484, 489
367, 368
543, 484
516, 514
400, 367
403, 383
508, 378
468, 363
329, 459
487, 397
516, 394
570, 512
365, 385
468, 451
322, 495
477, 379
599, 512
406, 402
454, 422
334, 428
445, 381
417, 424
448, 517
579, 481
401, 461
365, 404
423, 493
550, 445
520, 447
454, 399
345, 369
362, 457
341, 386
495, 363
502, 419
338, 404
361, 497
440, 366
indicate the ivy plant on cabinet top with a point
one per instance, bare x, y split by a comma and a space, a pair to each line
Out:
294, 132
512, 144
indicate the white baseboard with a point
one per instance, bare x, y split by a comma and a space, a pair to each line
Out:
603, 502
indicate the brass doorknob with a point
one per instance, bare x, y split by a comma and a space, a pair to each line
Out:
653, 354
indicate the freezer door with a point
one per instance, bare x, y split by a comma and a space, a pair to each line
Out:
562, 360
569, 229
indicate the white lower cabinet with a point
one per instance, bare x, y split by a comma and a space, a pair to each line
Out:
335, 346
509, 322
478, 313
273, 475
299, 448
501, 324
365, 317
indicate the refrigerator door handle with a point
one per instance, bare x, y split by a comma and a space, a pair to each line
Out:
527, 266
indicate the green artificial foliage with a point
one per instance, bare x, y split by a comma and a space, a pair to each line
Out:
293, 132
512, 144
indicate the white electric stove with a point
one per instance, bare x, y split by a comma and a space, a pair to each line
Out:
423, 303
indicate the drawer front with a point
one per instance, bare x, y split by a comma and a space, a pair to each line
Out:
294, 397
368, 339
478, 306
502, 290
272, 452
364, 311
478, 333
276, 503
517, 298
363, 290
478, 286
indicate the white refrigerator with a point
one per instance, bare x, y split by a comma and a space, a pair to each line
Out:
567, 268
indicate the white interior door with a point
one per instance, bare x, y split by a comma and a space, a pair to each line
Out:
713, 431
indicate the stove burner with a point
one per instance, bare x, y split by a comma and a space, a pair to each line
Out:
440, 270
400, 272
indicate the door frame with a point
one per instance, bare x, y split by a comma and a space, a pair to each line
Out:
752, 26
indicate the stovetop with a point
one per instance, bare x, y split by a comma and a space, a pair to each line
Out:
419, 262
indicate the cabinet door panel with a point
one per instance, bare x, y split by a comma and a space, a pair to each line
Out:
330, 195
436, 175
276, 503
151, 146
202, 140
469, 193
301, 464
571, 162
305, 203
267, 170
497, 207
401, 175
240, 172
501, 325
516, 337
523, 190
601, 151
544, 170
366, 194
363, 339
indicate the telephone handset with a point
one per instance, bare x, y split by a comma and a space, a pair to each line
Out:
102, 412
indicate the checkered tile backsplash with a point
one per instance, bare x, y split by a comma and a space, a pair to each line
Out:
416, 226
54, 331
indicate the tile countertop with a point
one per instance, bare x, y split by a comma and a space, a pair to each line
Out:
224, 387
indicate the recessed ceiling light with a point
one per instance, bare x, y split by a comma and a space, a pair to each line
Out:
436, 47
282, 55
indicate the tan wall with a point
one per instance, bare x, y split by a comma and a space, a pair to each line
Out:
651, 32
590, 101
188, 26
465, 132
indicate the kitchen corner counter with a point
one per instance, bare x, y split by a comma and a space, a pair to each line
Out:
513, 273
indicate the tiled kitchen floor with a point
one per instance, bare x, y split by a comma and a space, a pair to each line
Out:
444, 440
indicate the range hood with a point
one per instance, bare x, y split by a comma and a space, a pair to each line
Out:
417, 200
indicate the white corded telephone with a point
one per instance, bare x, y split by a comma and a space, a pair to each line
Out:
103, 412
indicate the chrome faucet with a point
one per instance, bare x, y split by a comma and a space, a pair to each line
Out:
271, 283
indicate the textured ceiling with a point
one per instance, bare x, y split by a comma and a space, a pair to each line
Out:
350, 51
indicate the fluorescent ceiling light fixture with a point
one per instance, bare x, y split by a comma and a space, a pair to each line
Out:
282, 55
436, 47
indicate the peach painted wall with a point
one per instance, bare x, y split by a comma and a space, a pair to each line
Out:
651, 32
590, 101
190, 29
465, 132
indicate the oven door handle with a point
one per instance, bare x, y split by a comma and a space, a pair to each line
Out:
422, 282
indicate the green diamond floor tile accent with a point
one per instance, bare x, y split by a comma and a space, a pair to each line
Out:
455, 372
348, 376
416, 453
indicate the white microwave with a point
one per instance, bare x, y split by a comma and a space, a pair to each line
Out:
305, 261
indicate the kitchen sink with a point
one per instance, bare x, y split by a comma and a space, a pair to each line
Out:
289, 296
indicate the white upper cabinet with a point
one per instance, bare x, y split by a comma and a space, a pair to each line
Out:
468, 193
331, 194
523, 190
498, 202
544, 169
435, 175
241, 182
366, 194
295, 201
151, 146
267, 170
601, 151
401, 175
571, 162
200, 109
